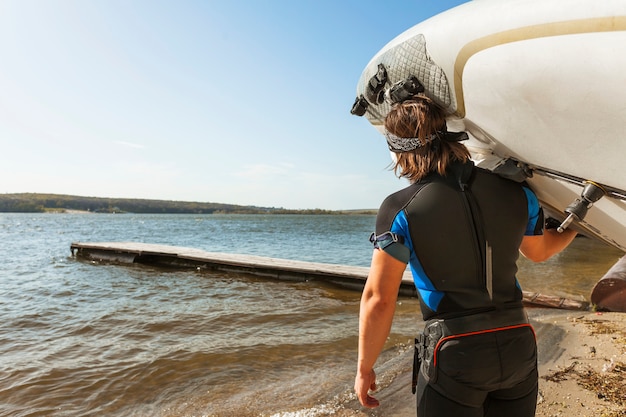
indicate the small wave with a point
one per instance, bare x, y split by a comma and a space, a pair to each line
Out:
321, 410
343, 405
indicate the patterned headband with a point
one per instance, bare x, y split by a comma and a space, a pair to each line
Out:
398, 144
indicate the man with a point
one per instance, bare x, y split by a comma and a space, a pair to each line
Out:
461, 230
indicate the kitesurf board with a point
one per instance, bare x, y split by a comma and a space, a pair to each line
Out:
540, 82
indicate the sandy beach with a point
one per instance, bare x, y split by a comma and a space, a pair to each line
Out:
582, 368
582, 364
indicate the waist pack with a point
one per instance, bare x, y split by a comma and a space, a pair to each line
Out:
438, 331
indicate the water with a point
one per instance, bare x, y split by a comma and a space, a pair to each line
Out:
81, 339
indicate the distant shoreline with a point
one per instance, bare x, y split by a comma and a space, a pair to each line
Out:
61, 203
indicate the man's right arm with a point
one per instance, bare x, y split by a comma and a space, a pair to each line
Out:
540, 248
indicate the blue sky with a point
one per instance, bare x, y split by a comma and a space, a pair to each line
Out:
241, 102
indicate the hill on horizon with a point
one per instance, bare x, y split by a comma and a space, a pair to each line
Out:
40, 203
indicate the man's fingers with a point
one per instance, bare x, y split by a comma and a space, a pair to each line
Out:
371, 402
363, 385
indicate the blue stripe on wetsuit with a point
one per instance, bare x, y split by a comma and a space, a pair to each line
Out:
427, 291
534, 214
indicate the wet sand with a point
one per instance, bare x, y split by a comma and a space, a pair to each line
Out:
582, 368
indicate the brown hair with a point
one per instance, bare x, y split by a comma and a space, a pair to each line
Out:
420, 117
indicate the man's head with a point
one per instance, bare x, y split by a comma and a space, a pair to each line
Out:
416, 132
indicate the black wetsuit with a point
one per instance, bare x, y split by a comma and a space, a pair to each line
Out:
461, 234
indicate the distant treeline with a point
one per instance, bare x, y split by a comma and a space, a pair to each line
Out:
39, 203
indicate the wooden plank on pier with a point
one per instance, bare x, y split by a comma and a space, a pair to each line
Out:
351, 277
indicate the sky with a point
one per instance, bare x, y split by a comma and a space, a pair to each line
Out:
235, 102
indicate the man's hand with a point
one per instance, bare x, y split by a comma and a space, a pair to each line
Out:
363, 383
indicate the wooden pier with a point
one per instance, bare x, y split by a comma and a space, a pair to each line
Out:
350, 277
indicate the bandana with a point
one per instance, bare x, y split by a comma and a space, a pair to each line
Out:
397, 144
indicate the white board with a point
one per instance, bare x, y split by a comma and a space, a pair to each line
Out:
540, 81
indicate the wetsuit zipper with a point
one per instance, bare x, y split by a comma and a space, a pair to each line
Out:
479, 247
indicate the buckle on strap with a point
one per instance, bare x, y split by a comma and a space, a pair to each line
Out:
385, 239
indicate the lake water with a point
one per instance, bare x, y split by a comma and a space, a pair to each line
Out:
82, 339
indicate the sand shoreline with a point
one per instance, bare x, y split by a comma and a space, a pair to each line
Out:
582, 367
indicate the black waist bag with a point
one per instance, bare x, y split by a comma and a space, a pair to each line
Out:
439, 331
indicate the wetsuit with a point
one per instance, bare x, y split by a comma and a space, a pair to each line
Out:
461, 235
